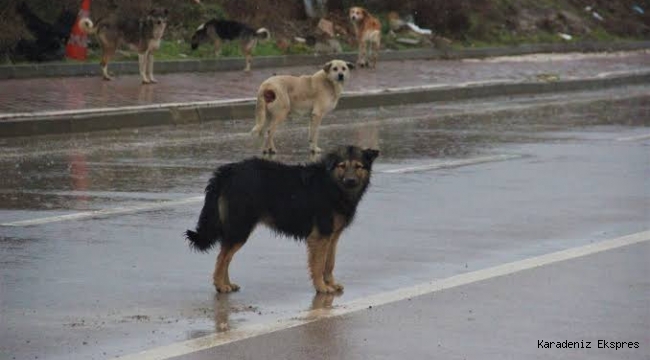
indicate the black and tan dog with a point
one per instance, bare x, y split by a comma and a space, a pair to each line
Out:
313, 202
217, 31
140, 33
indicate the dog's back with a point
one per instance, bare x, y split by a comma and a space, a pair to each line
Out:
227, 30
293, 200
231, 30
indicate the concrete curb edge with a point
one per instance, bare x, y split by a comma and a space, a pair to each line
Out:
177, 114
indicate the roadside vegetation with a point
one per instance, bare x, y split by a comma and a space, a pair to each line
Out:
457, 24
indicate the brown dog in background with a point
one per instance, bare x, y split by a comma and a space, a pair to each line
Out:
140, 33
368, 32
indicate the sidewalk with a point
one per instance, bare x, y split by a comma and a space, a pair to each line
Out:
58, 94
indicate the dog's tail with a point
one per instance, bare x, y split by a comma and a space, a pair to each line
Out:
209, 229
265, 95
263, 34
86, 25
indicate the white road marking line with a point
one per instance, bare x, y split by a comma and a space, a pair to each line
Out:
219, 339
105, 212
634, 138
165, 204
452, 164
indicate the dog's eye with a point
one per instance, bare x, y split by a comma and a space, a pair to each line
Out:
335, 69
341, 165
343, 68
358, 166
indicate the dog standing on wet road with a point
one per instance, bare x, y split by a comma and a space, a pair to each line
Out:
313, 202
283, 95
141, 33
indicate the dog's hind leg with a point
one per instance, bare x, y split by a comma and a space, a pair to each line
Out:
328, 274
375, 52
318, 248
229, 256
217, 46
260, 115
220, 277
361, 56
247, 49
107, 53
269, 147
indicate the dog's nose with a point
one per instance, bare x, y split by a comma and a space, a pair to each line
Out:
341, 77
350, 182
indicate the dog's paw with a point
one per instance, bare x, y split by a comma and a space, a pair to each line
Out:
336, 286
269, 151
223, 289
325, 289
315, 150
153, 81
234, 287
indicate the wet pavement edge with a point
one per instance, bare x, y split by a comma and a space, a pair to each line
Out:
174, 114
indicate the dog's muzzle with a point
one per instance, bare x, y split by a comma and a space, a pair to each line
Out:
350, 182
341, 77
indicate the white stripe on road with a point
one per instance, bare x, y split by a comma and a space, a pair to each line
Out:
634, 138
197, 199
219, 339
105, 213
452, 164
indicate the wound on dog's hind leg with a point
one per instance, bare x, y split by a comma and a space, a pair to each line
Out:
269, 96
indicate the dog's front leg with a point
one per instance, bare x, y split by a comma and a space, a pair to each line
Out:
150, 66
328, 274
316, 118
317, 248
142, 63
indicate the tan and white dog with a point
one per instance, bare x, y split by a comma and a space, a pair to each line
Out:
284, 95
367, 29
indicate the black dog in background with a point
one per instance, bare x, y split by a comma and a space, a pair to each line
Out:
217, 31
313, 202
49, 39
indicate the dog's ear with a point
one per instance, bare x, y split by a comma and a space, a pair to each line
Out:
331, 160
350, 65
369, 155
327, 66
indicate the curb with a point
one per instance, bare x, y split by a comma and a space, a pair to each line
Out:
194, 113
232, 64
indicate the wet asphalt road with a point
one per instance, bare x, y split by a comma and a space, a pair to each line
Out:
574, 170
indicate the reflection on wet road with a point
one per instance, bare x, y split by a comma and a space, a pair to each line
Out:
459, 187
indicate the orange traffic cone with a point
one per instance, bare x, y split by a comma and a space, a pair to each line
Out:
78, 42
